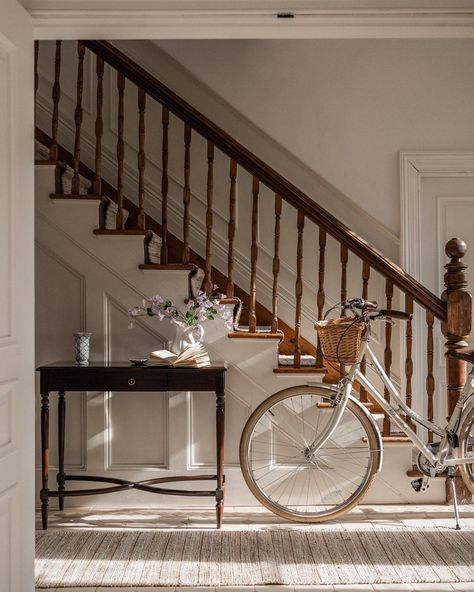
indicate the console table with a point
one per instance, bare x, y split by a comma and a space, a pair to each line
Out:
63, 377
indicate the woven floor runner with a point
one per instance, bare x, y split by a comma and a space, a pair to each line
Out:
307, 556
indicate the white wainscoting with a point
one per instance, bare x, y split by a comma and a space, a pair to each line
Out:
89, 282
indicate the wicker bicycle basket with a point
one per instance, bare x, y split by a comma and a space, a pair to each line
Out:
340, 339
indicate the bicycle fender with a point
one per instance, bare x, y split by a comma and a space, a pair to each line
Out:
363, 408
467, 407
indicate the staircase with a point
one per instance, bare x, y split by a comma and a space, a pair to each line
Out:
274, 300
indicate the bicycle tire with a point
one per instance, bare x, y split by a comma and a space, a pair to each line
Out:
466, 446
337, 510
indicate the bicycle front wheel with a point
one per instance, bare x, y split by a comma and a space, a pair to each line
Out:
282, 472
466, 447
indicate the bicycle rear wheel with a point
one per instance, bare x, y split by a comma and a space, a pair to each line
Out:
286, 477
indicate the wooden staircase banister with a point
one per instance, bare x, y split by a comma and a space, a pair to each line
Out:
267, 175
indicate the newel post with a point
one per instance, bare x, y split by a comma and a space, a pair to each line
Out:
456, 330
457, 327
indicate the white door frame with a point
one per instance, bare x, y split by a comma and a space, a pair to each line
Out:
17, 387
415, 165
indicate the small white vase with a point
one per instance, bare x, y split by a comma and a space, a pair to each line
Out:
82, 348
184, 336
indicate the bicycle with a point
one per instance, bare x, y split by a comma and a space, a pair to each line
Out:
309, 453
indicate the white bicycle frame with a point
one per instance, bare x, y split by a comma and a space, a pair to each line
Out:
398, 412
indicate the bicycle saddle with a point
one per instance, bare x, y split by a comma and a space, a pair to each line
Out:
463, 353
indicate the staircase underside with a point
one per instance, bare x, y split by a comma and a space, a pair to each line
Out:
285, 335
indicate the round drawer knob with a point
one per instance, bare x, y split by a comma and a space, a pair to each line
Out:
131, 381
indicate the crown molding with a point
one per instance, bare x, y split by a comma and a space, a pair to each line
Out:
245, 19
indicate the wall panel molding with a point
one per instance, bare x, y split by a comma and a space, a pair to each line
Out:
81, 465
161, 432
209, 464
7, 195
8, 418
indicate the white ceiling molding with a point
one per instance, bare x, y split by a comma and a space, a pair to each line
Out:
245, 19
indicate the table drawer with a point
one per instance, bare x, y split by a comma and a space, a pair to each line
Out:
195, 380
105, 379
139, 380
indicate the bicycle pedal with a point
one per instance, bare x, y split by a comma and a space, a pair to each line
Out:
420, 484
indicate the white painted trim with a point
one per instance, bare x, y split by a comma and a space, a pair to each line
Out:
414, 166
223, 19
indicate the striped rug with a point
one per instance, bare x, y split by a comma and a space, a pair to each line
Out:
304, 556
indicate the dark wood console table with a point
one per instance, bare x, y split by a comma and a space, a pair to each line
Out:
63, 377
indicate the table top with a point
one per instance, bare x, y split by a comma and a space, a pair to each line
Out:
99, 364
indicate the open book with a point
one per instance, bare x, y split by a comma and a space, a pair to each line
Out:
192, 356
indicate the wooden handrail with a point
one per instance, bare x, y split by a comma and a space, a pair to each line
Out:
267, 175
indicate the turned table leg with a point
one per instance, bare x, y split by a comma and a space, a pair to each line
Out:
61, 476
220, 429
44, 493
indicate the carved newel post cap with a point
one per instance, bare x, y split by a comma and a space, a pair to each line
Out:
455, 248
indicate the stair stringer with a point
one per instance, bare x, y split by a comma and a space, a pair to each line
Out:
112, 284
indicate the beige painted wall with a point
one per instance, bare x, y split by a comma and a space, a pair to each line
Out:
346, 107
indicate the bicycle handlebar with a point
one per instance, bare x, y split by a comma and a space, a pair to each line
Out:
395, 314
368, 306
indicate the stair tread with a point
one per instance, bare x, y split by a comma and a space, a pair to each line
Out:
417, 473
260, 335
123, 232
301, 370
288, 360
259, 329
47, 162
396, 438
226, 300
169, 266
76, 196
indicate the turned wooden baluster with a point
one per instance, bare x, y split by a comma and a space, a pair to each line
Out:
75, 188
430, 380
344, 259
276, 263
365, 294
298, 290
165, 120
36, 71
56, 95
253, 257
231, 230
141, 160
120, 149
321, 296
99, 126
456, 330
209, 217
387, 354
409, 359
186, 192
